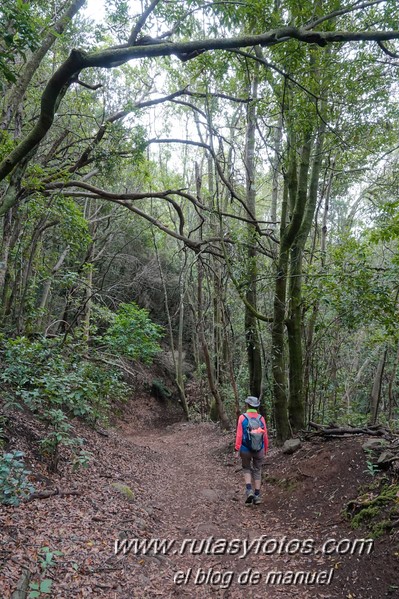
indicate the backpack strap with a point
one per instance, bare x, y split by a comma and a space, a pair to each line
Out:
245, 431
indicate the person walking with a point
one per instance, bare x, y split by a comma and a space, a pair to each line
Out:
251, 445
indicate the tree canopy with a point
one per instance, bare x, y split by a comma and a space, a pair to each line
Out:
229, 167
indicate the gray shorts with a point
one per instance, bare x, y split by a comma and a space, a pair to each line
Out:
252, 462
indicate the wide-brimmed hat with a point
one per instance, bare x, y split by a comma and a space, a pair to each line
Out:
252, 401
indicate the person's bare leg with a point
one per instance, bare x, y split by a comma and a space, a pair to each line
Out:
257, 471
246, 466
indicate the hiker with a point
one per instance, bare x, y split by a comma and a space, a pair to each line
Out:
251, 443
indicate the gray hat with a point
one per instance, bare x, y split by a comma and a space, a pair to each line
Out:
252, 401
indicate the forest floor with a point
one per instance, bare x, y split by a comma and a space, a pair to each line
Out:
184, 483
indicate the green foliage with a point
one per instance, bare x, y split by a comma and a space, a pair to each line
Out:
18, 34
160, 390
81, 459
14, 482
229, 401
59, 435
118, 18
55, 384
3, 421
46, 561
133, 334
39, 588
357, 288
384, 193
347, 85
47, 557
43, 374
364, 516
71, 225
7, 144
372, 468
120, 141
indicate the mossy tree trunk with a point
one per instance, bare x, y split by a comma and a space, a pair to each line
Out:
251, 322
307, 201
278, 333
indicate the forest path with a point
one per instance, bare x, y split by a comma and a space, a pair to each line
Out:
182, 485
196, 486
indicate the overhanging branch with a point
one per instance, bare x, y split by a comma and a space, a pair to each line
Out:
79, 60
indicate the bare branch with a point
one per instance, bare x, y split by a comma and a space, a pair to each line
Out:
342, 11
236, 284
258, 57
219, 95
88, 86
204, 6
218, 168
141, 22
124, 199
79, 60
83, 159
387, 51
107, 194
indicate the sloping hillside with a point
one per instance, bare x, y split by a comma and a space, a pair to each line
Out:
181, 484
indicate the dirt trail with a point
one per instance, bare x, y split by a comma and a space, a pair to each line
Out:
198, 492
184, 483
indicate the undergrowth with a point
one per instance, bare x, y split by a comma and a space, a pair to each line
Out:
377, 508
57, 381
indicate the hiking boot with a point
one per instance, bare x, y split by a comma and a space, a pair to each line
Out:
256, 500
250, 497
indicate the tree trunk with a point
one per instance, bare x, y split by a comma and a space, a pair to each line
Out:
278, 338
251, 323
177, 363
295, 352
18, 91
294, 322
391, 384
376, 390
47, 286
308, 360
323, 242
306, 204
8, 222
205, 350
276, 168
11, 233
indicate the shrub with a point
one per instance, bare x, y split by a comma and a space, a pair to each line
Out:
58, 381
45, 377
14, 484
56, 384
133, 334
